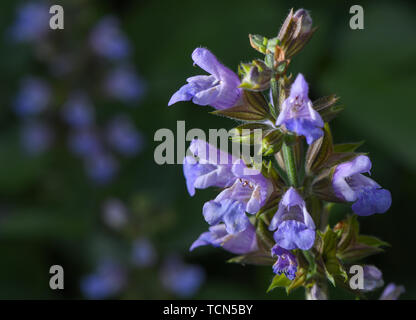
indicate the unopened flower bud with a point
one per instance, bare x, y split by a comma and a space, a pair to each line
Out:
256, 76
306, 22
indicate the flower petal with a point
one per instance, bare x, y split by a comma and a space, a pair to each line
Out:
294, 234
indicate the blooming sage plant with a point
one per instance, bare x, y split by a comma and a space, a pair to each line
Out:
276, 212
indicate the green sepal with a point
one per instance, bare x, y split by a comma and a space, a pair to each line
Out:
256, 258
352, 246
245, 133
272, 142
264, 236
372, 241
319, 151
253, 108
332, 265
330, 113
348, 147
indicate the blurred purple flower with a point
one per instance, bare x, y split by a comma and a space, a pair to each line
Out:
295, 227
33, 97
36, 137
143, 253
286, 262
32, 22
350, 185
181, 279
124, 84
392, 292
297, 113
107, 281
123, 136
240, 243
115, 213
107, 39
78, 111
84, 142
219, 90
101, 167
373, 278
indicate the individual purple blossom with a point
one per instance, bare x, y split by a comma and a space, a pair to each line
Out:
78, 111
101, 167
107, 40
295, 227
248, 193
115, 213
84, 142
143, 253
207, 166
373, 278
240, 243
36, 137
351, 185
105, 282
32, 22
123, 136
124, 84
219, 90
392, 292
180, 278
286, 262
33, 97
298, 114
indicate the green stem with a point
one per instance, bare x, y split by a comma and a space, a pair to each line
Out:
275, 94
290, 164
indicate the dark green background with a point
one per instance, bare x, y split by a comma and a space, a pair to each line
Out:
49, 213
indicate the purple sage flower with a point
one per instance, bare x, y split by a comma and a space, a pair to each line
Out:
180, 278
36, 137
286, 262
298, 114
248, 193
32, 22
295, 227
33, 97
123, 136
78, 111
392, 292
219, 89
124, 84
207, 167
240, 243
105, 282
143, 253
350, 185
373, 278
108, 41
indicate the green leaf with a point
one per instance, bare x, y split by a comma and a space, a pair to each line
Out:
279, 281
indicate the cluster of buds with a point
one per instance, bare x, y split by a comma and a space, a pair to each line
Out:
276, 212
